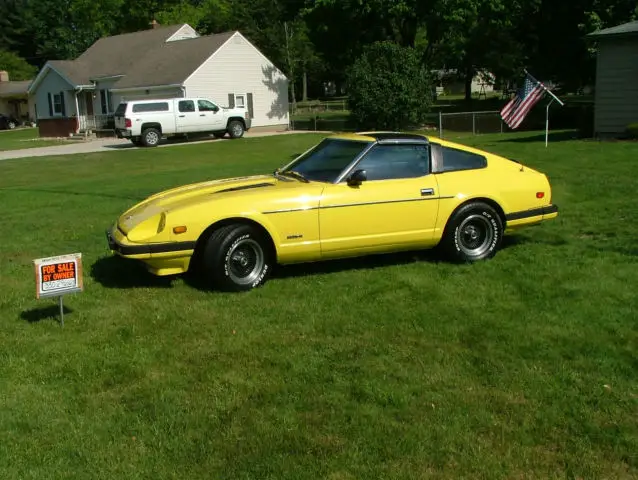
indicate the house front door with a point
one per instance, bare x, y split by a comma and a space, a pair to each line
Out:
88, 96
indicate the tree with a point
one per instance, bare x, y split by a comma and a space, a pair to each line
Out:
17, 67
388, 87
480, 35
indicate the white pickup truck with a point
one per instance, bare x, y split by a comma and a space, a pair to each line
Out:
145, 122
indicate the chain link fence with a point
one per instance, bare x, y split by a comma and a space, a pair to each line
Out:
329, 118
475, 123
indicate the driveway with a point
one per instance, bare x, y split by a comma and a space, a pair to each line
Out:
115, 144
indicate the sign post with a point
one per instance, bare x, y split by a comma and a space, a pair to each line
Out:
58, 276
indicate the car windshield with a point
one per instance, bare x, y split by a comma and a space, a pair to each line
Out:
327, 160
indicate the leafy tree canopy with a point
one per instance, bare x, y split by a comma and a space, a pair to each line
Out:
388, 87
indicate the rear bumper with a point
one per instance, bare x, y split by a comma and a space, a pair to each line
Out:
122, 133
546, 212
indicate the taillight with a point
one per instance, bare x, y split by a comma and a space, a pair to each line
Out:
128, 123
540, 195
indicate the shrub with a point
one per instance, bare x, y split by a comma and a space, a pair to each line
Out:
388, 88
632, 130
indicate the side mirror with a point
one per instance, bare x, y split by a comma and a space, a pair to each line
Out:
357, 178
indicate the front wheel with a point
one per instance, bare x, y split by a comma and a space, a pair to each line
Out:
237, 258
236, 129
473, 233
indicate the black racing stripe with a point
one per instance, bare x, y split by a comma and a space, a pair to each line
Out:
246, 187
150, 248
535, 212
363, 204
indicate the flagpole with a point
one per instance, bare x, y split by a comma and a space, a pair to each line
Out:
554, 97
547, 123
545, 88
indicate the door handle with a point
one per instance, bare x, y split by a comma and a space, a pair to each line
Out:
182, 116
427, 191
203, 115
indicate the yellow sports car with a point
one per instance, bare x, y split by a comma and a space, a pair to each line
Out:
350, 195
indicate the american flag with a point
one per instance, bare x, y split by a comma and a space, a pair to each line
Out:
518, 107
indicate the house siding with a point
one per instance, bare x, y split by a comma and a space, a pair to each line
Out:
183, 33
239, 68
616, 99
54, 83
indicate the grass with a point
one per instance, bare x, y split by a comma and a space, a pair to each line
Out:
396, 366
23, 138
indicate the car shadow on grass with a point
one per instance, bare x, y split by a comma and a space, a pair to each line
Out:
51, 312
121, 273
118, 272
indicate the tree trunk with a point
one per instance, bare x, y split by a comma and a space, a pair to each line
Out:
469, 75
293, 94
304, 96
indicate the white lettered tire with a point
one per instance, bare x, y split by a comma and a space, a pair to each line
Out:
237, 258
473, 233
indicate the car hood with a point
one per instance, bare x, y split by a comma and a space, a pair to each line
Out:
168, 199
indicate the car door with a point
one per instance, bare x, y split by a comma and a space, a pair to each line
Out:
210, 116
395, 208
187, 117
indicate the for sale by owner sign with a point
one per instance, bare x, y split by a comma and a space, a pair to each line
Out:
56, 276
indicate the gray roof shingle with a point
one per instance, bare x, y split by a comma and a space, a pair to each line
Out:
144, 59
630, 28
15, 88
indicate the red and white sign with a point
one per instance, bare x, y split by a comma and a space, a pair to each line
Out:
56, 276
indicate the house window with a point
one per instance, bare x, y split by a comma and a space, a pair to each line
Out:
105, 101
57, 104
240, 100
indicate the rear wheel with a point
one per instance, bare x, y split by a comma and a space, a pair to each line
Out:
237, 258
151, 137
235, 129
473, 233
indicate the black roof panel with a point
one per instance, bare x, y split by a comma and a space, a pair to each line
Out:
396, 136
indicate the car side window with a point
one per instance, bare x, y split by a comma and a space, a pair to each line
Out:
186, 106
455, 160
387, 162
206, 106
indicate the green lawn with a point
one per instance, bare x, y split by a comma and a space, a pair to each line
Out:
397, 366
23, 138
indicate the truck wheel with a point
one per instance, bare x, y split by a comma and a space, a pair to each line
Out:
151, 137
235, 129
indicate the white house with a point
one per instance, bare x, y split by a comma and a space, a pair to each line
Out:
72, 96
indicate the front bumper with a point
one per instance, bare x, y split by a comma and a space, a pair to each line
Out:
160, 258
119, 244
